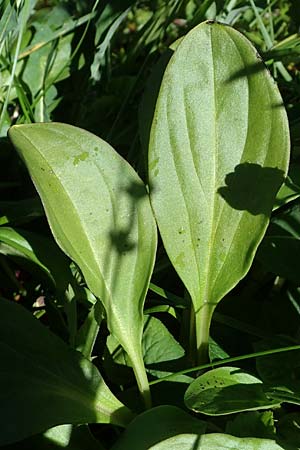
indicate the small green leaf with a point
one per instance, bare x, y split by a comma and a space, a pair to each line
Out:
218, 153
227, 390
161, 350
45, 383
216, 351
100, 214
156, 425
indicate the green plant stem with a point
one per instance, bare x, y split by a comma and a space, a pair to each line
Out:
202, 323
223, 362
91, 335
141, 376
193, 353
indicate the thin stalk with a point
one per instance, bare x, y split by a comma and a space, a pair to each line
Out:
203, 319
223, 362
189, 323
137, 362
187, 330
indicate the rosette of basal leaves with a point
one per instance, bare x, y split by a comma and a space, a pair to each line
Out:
99, 212
218, 153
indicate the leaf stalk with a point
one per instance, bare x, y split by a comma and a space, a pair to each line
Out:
203, 319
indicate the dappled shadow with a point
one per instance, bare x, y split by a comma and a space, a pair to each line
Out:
120, 238
248, 70
252, 188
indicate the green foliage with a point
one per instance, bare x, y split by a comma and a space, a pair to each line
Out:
35, 357
156, 425
135, 73
110, 213
226, 390
213, 183
217, 441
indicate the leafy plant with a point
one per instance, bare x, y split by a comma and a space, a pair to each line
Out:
216, 133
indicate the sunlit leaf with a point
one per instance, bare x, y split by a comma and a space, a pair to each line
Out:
218, 153
100, 214
218, 441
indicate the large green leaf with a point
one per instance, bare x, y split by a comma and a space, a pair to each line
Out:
156, 425
100, 215
45, 383
218, 153
218, 441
